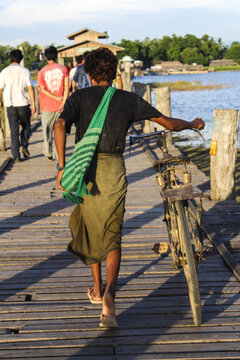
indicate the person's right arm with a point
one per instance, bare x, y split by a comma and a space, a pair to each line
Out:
60, 143
175, 124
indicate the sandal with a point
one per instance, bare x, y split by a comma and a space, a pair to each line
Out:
108, 321
91, 298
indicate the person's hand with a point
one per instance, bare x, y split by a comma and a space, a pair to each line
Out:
59, 178
33, 109
198, 124
61, 106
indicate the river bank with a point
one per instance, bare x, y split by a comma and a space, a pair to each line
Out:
188, 85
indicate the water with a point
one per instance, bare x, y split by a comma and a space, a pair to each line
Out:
188, 105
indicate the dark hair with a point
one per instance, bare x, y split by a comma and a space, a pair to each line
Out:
51, 53
101, 65
79, 59
85, 54
16, 56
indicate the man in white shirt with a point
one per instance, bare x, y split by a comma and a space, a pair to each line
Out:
15, 80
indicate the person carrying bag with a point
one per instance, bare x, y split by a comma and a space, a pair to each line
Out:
76, 167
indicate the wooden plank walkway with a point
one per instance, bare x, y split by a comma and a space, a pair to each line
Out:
45, 312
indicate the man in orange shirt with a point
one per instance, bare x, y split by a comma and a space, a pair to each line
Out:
53, 84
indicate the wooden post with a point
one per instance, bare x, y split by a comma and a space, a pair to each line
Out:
145, 92
163, 104
22, 61
223, 154
126, 76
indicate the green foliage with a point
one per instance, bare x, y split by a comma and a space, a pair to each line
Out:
67, 60
4, 57
227, 68
30, 54
233, 52
41, 64
188, 49
192, 55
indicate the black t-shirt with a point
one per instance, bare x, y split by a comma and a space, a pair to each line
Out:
125, 108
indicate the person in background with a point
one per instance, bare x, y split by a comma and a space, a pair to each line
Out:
15, 80
72, 83
53, 86
96, 223
69, 67
80, 77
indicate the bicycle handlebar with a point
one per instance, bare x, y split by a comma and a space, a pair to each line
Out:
133, 138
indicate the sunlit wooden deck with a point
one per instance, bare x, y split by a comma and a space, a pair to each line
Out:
45, 312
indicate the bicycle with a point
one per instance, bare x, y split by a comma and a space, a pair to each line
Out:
182, 218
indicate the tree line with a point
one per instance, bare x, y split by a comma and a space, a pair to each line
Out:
188, 49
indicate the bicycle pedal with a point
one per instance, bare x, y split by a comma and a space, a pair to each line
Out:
161, 248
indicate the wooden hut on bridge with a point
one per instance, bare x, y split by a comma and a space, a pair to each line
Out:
84, 40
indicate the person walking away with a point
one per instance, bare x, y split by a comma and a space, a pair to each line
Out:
15, 80
69, 67
53, 92
80, 77
72, 83
96, 222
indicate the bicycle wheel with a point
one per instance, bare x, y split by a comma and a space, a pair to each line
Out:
189, 266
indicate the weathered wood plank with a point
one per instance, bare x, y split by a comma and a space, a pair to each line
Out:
151, 302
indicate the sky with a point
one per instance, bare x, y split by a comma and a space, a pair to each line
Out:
45, 22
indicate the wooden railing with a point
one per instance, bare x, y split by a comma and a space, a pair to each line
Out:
224, 141
223, 144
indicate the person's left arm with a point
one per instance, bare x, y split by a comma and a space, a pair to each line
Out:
32, 99
65, 93
175, 124
2, 85
1, 103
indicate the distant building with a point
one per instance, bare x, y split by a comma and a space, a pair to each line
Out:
174, 66
138, 64
85, 40
223, 62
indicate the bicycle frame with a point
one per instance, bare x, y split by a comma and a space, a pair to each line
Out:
185, 235
172, 189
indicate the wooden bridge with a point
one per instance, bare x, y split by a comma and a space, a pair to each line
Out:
45, 312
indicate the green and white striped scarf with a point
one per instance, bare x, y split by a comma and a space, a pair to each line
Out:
76, 167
